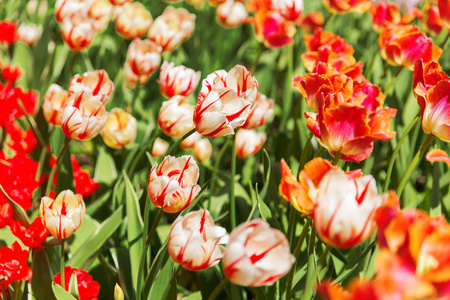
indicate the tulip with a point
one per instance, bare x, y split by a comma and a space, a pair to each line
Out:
13, 265
310, 22
231, 14
444, 12
8, 32
32, 236
194, 241
345, 6
438, 155
85, 288
431, 88
224, 101
63, 215
173, 184
119, 2
143, 57
160, 147
75, 11
133, 21
34, 6
261, 112
384, 14
177, 80
344, 208
55, 100
202, 150
175, 116
93, 83
77, 36
403, 45
100, 11
172, 28
191, 140
131, 78
118, 293
248, 142
83, 117
119, 129
272, 29
256, 255
29, 33
431, 20
289, 9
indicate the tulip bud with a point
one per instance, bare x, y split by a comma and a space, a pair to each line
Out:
190, 141
260, 113
160, 147
29, 33
133, 21
119, 129
177, 80
131, 78
202, 150
55, 100
248, 142
175, 116
231, 14
193, 232
92, 83
173, 184
143, 57
118, 293
224, 101
63, 215
77, 36
83, 117
289, 9
172, 28
256, 255
344, 208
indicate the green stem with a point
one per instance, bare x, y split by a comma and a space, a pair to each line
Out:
216, 168
57, 163
320, 151
330, 15
396, 150
135, 94
32, 124
336, 158
413, 163
233, 174
62, 264
445, 41
258, 56
176, 144
144, 251
305, 153
218, 289
87, 61
310, 267
298, 247
393, 79
287, 96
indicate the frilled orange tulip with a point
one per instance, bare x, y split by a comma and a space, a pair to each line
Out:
272, 29
431, 20
384, 13
345, 6
403, 45
309, 23
444, 12
431, 88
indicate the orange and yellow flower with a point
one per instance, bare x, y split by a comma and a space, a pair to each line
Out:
345, 6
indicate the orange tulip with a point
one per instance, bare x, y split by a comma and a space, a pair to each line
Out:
345, 6
310, 22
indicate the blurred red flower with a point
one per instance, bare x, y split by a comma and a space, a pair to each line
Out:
87, 288
7, 32
33, 236
13, 264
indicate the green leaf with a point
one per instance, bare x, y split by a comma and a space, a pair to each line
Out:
105, 168
60, 293
267, 169
65, 174
194, 296
161, 281
83, 233
41, 285
100, 236
18, 211
98, 203
264, 210
134, 228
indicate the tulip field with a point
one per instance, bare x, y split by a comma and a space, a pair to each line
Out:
224, 149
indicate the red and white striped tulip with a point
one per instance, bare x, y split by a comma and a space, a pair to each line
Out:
224, 101
256, 254
77, 36
202, 150
289, 9
75, 11
133, 21
175, 116
119, 2
231, 14
63, 215
29, 33
83, 116
54, 101
344, 208
261, 112
194, 241
172, 185
160, 147
143, 57
119, 129
248, 142
131, 78
172, 28
92, 83
100, 12
177, 80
